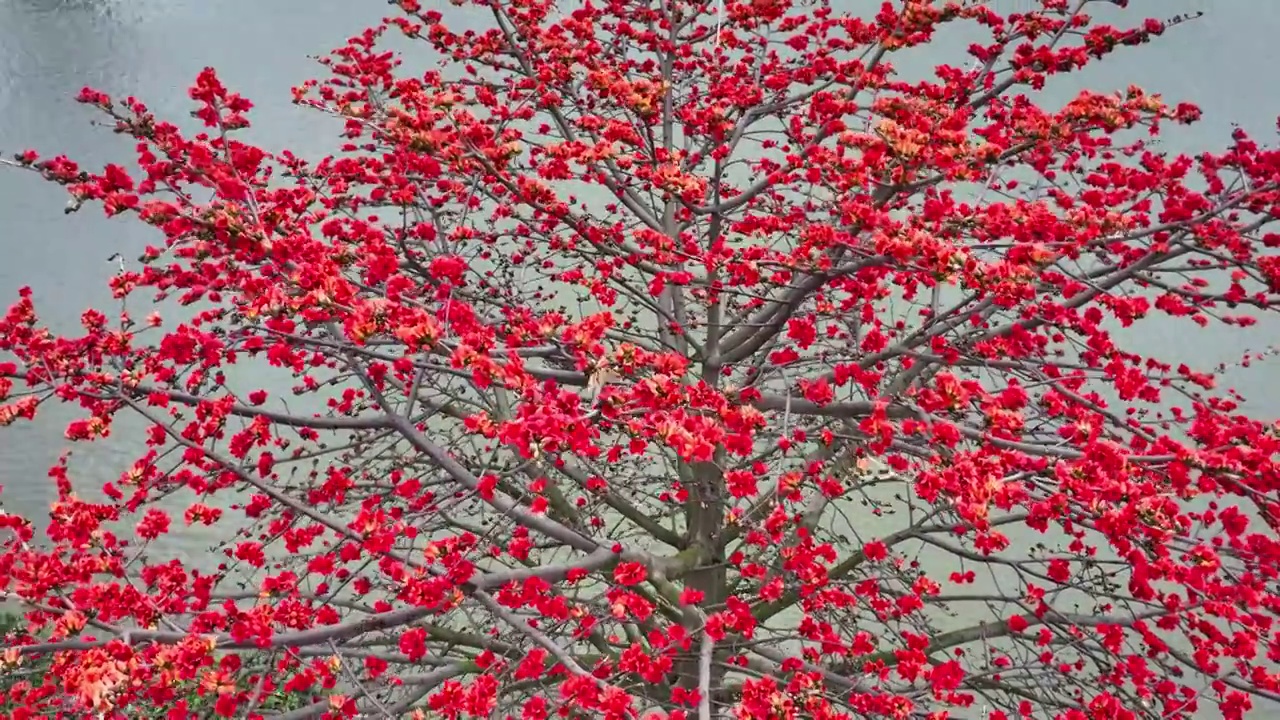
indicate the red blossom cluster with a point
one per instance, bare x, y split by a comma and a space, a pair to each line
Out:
664, 360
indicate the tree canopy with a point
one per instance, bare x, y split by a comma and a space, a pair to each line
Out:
665, 359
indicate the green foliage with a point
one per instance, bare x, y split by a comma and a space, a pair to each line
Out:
34, 669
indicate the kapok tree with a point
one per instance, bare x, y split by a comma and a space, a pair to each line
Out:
666, 359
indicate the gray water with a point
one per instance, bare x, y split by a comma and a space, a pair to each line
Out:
153, 49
